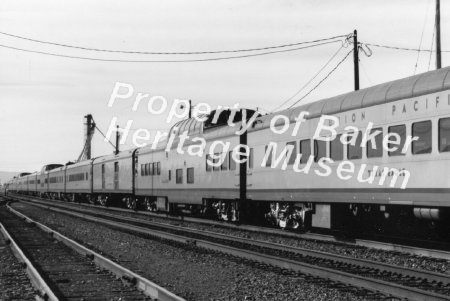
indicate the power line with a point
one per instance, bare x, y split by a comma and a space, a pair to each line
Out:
166, 61
305, 85
402, 48
170, 53
421, 36
319, 83
432, 43
103, 134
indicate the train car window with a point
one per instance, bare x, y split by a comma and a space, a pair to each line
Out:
337, 149
145, 169
423, 130
250, 159
291, 159
142, 170
269, 157
305, 150
232, 163
190, 175
444, 135
371, 151
150, 169
354, 152
208, 166
170, 175
320, 150
87, 177
224, 165
401, 131
179, 176
158, 168
216, 161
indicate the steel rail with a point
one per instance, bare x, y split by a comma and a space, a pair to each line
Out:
148, 287
45, 292
314, 270
432, 276
439, 254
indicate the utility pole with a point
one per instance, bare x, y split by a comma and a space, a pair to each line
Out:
90, 126
190, 108
356, 59
242, 204
438, 35
117, 140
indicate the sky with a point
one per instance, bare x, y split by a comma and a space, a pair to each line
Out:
43, 99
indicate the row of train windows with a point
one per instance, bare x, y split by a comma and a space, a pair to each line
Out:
423, 130
77, 177
227, 163
56, 179
60, 179
151, 169
179, 175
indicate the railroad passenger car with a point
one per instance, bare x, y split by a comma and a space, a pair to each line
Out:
417, 106
56, 182
43, 179
113, 177
78, 180
177, 181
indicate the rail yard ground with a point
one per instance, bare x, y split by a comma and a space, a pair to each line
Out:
191, 272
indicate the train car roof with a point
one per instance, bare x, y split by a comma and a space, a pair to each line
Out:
49, 167
409, 87
113, 157
78, 164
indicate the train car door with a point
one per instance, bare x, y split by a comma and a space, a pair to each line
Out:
103, 176
250, 169
116, 175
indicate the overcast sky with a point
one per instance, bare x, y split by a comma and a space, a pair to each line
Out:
43, 98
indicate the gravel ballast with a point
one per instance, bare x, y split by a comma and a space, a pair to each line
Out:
14, 281
360, 252
188, 271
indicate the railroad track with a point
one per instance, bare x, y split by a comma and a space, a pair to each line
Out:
14, 281
442, 253
391, 280
61, 269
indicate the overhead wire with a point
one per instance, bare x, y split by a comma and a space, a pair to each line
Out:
402, 48
307, 83
98, 129
171, 53
421, 36
432, 43
323, 79
166, 61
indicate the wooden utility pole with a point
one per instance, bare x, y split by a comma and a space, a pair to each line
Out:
90, 127
117, 140
356, 59
190, 108
438, 35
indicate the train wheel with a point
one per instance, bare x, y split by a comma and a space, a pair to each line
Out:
131, 203
149, 205
103, 201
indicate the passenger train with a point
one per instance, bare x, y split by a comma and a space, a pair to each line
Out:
156, 179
